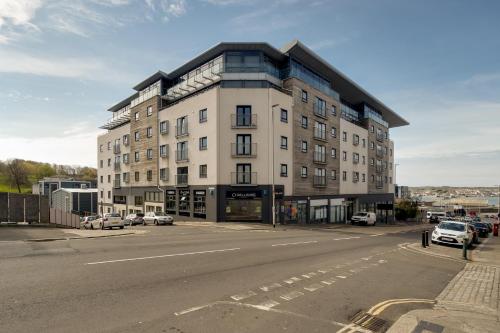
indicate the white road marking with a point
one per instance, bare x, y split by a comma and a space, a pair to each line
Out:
376, 235
163, 256
378, 308
292, 295
267, 305
270, 287
329, 281
296, 243
313, 287
309, 275
341, 276
239, 297
196, 308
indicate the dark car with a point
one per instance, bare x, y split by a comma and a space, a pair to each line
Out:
134, 219
481, 228
489, 225
434, 219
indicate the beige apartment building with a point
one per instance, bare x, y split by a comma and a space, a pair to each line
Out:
207, 141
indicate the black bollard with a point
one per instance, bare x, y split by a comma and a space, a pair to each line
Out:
427, 238
423, 238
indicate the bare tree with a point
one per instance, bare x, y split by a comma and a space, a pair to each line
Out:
17, 173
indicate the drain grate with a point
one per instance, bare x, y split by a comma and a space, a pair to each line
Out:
370, 322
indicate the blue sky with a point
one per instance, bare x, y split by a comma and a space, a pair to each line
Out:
437, 63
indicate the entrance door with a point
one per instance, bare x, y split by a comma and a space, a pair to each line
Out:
302, 213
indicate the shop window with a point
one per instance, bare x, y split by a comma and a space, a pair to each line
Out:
199, 204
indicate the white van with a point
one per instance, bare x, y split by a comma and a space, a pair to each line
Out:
364, 218
438, 214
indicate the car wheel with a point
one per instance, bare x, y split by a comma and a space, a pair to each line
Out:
374, 223
91, 226
121, 227
156, 222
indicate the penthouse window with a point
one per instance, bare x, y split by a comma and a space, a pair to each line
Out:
203, 115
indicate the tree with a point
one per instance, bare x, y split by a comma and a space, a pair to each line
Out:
17, 173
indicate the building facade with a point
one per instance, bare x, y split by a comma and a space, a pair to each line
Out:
208, 141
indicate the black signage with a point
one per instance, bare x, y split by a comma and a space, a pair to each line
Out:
278, 194
199, 192
170, 192
183, 192
243, 195
385, 206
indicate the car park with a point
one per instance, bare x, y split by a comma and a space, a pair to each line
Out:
86, 221
158, 218
134, 219
452, 232
108, 220
364, 218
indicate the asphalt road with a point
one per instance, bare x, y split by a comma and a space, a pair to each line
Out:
205, 279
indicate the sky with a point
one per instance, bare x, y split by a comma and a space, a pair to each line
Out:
63, 63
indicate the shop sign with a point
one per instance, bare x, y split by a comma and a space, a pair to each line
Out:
201, 193
243, 195
170, 192
183, 192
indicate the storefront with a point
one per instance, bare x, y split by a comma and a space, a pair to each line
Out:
244, 205
318, 212
170, 202
184, 202
199, 203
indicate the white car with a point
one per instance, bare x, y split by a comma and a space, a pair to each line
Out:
87, 220
109, 220
158, 218
364, 218
452, 232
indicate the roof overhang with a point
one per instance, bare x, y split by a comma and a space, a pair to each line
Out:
348, 89
152, 79
123, 103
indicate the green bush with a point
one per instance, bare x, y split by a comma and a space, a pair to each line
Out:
406, 210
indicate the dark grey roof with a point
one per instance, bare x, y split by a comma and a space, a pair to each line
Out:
152, 79
348, 89
123, 103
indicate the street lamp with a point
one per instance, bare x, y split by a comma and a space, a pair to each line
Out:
273, 143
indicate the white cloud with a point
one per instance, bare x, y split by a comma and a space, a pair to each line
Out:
167, 8
18, 12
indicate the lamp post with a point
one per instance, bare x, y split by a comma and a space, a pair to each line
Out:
273, 143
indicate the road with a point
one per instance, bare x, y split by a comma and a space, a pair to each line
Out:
207, 279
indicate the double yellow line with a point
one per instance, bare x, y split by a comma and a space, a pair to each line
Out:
382, 306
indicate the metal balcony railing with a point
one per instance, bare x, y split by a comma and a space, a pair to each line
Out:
181, 179
380, 153
246, 121
181, 131
319, 134
319, 181
319, 157
117, 166
243, 149
380, 137
318, 111
181, 155
243, 178
378, 168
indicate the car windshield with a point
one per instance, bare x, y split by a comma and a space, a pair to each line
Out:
160, 214
140, 215
361, 214
452, 226
114, 215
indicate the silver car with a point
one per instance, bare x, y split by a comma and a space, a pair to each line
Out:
158, 218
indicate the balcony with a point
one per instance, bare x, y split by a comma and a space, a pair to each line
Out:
117, 166
116, 149
116, 183
379, 184
181, 131
181, 179
379, 168
319, 111
247, 121
319, 181
119, 118
319, 134
319, 157
355, 160
181, 155
243, 149
126, 178
380, 137
126, 140
126, 160
244, 178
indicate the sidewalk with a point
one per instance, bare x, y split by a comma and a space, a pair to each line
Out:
470, 302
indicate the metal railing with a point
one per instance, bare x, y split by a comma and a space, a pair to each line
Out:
117, 166
181, 179
116, 149
116, 183
243, 178
319, 181
379, 184
319, 157
181, 131
247, 121
181, 155
380, 137
378, 168
319, 134
380, 153
243, 149
318, 111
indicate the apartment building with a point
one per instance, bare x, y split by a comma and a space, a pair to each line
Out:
207, 141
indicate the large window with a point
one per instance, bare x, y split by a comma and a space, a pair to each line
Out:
170, 202
199, 205
319, 130
203, 171
319, 154
184, 202
244, 115
244, 173
243, 144
320, 107
182, 126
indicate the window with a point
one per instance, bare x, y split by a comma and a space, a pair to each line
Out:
334, 153
319, 177
390, 151
364, 160
355, 177
243, 173
372, 178
136, 156
284, 116
100, 148
203, 143
149, 154
334, 110
149, 132
136, 116
304, 122
355, 158
164, 127
109, 162
284, 142
149, 111
333, 174
163, 174
364, 143
243, 116
304, 96
203, 171
125, 158
101, 163
102, 194
390, 180
126, 139
102, 180
386, 134
372, 129
319, 154
136, 176
334, 132
303, 172
372, 145
344, 136
163, 151
109, 178
182, 126
386, 179
344, 156
244, 144
182, 151
363, 178
126, 177
109, 145
372, 161
284, 170
149, 175
319, 131
390, 166
109, 195
320, 107
137, 136
138, 201
344, 175
203, 115
304, 146
355, 139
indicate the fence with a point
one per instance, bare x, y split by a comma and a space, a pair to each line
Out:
15, 207
62, 218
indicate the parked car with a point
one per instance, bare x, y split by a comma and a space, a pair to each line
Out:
489, 224
134, 219
452, 232
434, 219
482, 229
364, 218
108, 220
85, 223
158, 218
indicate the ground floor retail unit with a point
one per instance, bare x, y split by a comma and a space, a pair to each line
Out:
250, 204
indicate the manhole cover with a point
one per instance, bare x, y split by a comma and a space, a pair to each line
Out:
370, 322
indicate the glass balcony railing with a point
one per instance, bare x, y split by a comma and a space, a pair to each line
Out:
319, 181
243, 121
243, 149
243, 178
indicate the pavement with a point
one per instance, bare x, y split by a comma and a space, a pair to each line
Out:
470, 302
194, 278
